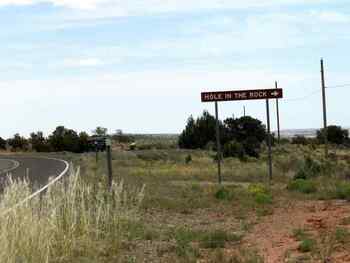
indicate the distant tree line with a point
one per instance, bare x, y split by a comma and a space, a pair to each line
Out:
335, 135
240, 137
61, 139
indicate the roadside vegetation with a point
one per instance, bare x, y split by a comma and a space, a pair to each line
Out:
166, 205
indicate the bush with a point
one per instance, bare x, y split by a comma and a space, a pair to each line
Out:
2, 144
307, 245
239, 136
343, 191
188, 159
18, 143
263, 198
302, 186
335, 134
234, 149
310, 168
299, 139
257, 189
218, 238
224, 194
260, 193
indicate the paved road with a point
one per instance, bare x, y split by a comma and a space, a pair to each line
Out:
37, 169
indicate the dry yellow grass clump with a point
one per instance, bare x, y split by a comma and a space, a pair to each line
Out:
72, 221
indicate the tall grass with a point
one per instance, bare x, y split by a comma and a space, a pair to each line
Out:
72, 221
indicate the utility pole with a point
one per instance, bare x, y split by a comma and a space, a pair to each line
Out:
218, 144
325, 132
278, 117
244, 111
269, 140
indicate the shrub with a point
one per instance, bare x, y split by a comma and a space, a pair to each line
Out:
218, 238
342, 235
302, 186
309, 168
335, 134
224, 194
188, 159
299, 140
2, 144
343, 190
263, 198
234, 149
307, 245
260, 193
246, 131
257, 189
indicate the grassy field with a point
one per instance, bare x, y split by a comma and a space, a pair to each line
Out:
167, 207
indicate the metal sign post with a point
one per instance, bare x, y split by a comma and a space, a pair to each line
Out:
269, 140
260, 94
218, 144
278, 117
109, 162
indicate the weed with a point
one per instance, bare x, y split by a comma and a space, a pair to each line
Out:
307, 245
218, 238
183, 238
342, 235
263, 198
302, 186
343, 190
224, 194
300, 234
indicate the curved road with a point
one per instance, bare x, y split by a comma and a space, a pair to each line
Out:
37, 169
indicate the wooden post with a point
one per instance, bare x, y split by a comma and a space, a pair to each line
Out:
269, 140
109, 163
325, 130
218, 144
278, 117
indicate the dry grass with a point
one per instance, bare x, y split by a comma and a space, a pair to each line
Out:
73, 221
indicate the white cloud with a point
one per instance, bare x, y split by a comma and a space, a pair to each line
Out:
132, 7
83, 62
332, 17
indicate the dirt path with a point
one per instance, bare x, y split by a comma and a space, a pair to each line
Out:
273, 235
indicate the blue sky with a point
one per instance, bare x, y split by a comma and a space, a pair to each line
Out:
140, 65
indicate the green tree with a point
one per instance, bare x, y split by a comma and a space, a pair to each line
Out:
63, 139
100, 131
335, 134
3, 144
18, 142
198, 133
247, 131
84, 145
239, 136
39, 142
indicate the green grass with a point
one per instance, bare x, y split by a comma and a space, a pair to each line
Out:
184, 215
307, 245
218, 239
302, 186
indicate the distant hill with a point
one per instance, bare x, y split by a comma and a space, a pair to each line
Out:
309, 133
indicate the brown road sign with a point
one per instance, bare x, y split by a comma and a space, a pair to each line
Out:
242, 95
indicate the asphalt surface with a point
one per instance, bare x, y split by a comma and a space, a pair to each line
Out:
37, 169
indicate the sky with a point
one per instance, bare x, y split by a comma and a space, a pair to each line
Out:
140, 65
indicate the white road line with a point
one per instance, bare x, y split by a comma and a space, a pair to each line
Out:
15, 166
41, 189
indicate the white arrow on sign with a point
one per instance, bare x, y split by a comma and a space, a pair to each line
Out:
275, 93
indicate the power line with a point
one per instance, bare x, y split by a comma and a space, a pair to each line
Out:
304, 97
338, 86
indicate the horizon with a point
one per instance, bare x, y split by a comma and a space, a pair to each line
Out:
141, 66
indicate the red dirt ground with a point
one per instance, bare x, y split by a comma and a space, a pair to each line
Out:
273, 235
